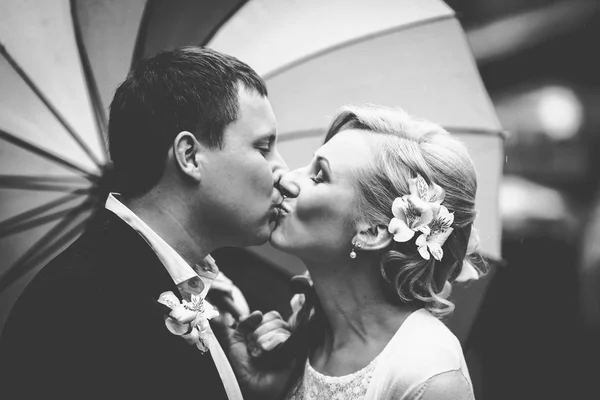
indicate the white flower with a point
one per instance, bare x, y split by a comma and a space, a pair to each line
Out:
189, 319
411, 214
432, 244
414, 212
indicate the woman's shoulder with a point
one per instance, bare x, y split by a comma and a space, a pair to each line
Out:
423, 333
423, 348
451, 385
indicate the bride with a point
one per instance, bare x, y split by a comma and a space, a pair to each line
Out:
384, 224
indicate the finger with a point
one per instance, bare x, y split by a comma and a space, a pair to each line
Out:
267, 336
270, 335
273, 339
240, 301
270, 326
271, 315
250, 323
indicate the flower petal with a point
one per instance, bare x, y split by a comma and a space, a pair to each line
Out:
176, 327
168, 299
425, 229
422, 188
412, 187
209, 311
426, 216
193, 337
399, 207
440, 238
436, 250
437, 194
446, 216
424, 252
182, 314
401, 231
418, 204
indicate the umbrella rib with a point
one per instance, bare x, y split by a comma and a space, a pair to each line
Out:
139, 48
33, 223
34, 217
477, 131
46, 183
350, 42
48, 105
218, 26
58, 243
46, 154
99, 114
19, 268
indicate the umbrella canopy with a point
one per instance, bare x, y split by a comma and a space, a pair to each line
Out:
314, 55
52, 118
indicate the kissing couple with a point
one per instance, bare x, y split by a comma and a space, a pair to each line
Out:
382, 217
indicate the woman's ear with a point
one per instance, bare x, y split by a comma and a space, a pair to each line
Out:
187, 154
371, 239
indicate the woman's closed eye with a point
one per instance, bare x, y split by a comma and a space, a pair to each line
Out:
318, 178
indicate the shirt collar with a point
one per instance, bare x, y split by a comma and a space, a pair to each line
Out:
179, 270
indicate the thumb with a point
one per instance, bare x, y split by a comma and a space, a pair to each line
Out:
250, 323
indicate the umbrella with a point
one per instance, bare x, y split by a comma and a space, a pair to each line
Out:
314, 55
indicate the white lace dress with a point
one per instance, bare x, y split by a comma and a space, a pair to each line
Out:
314, 385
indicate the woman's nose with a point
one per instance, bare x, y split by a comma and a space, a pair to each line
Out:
287, 185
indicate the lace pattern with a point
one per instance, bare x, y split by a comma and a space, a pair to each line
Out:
316, 386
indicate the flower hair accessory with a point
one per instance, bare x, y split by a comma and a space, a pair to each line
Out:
189, 319
422, 212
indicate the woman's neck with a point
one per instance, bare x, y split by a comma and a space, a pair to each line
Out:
360, 321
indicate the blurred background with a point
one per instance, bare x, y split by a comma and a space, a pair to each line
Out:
537, 333
531, 329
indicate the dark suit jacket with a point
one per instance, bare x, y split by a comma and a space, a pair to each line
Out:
88, 326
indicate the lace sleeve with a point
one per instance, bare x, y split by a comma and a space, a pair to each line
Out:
451, 385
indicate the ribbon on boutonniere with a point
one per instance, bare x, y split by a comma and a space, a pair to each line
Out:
189, 319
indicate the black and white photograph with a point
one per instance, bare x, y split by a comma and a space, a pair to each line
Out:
299, 199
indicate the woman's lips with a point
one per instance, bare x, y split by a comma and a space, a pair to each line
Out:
285, 208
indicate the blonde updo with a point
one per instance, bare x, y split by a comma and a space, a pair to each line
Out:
414, 146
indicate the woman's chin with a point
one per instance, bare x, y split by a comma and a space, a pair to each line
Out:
276, 240
279, 241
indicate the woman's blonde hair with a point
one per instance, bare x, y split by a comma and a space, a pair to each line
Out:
414, 146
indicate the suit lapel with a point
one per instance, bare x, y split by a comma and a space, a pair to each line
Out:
137, 265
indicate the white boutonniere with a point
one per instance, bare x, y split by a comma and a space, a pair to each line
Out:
189, 319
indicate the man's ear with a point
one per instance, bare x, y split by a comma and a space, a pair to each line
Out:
374, 238
187, 152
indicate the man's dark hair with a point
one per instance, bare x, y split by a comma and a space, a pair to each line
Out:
191, 89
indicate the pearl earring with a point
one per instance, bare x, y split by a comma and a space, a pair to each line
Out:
355, 245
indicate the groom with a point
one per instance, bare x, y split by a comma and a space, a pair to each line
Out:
192, 138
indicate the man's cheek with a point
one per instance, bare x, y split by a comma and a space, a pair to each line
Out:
262, 181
